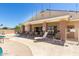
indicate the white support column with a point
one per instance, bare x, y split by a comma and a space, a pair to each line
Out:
44, 27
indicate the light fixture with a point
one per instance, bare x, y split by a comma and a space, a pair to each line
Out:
70, 17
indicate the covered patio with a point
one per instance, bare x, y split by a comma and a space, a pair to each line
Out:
56, 27
59, 28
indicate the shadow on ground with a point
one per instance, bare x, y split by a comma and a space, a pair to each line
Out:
48, 40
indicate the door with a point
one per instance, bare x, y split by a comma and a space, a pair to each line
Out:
38, 30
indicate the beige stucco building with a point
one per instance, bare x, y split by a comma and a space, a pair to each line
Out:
66, 22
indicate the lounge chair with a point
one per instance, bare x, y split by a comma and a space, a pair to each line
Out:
44, 36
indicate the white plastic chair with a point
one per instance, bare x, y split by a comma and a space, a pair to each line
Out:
44, 36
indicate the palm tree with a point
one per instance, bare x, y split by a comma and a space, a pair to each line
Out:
1, 24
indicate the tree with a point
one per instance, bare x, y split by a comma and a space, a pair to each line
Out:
17, 28
1, 24
5, 28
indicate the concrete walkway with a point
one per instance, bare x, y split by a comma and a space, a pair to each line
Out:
47, 49
14, 48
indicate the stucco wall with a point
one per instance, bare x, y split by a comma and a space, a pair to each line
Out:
72, 35
7, 31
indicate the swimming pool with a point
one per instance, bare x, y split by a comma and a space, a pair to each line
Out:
1, 51
1, 37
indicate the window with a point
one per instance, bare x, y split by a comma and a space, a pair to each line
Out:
70, 28
50, 27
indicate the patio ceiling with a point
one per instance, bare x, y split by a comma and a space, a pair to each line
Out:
55, 19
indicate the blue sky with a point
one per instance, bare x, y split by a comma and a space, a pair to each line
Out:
12, 14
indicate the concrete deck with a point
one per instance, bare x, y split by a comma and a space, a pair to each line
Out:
48, 49
14, 48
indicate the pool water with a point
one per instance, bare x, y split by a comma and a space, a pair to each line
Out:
1, 51
2, 37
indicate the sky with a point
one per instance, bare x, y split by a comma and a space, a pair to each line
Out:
12, 14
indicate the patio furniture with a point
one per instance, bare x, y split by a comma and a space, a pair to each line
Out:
30, 34
50, 34
41, 33
36, 34
44, 36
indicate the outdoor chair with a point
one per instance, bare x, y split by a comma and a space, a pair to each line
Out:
43, 37
36, 34
30, 34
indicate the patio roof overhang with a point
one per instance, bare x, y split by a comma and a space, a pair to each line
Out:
74, 20
55, 19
